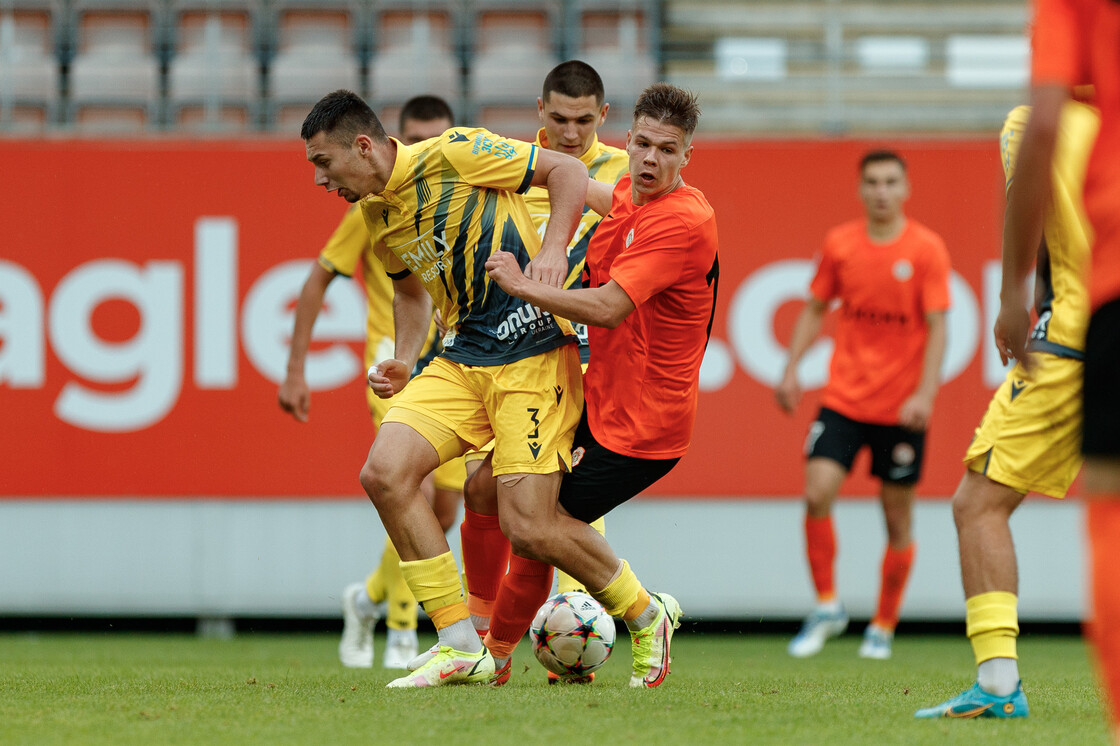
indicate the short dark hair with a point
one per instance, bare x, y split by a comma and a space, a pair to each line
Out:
425, 109
668, 104
574, 79
881, 156
342, 115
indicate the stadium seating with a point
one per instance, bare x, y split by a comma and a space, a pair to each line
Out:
29, 67
513, 45
619, 38
114, 81
811, 66
416, 50
214, 71
317, 50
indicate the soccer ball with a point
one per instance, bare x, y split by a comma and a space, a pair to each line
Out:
572, 634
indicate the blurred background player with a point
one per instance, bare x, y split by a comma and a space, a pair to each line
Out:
1029, 439
1076, 42
384, 594
652, 265
891, 276
571, 109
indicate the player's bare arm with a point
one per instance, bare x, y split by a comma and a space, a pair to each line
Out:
605, 306
566, 179
412, 313
1027, 198
915, 412
599, 196
808, 326
295, 395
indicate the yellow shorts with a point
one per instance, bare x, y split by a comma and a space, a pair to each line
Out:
447, 476
530, 408
1030, 437
471, 456
451, 475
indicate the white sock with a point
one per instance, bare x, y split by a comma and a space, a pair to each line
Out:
998, 676
364, 605
646, 617
832, 607
481, 623
403, 635
461, 636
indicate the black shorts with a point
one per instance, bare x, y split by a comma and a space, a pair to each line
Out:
601, 480
896, 453
1100, 433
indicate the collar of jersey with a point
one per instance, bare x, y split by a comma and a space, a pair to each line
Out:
396, 180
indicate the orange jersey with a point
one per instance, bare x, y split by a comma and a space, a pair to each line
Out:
1077, 42
885, 293
643, 381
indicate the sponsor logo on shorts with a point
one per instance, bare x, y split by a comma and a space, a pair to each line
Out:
1017, 388
559, 393
577, 456
903, 455
815, 432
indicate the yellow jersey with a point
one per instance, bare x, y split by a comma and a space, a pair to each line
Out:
450, 203
605, 163
1061, 294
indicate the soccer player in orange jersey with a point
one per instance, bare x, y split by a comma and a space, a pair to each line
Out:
891, 276
1077, 42
651, 278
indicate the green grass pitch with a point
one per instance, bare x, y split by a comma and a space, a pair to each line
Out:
289, 689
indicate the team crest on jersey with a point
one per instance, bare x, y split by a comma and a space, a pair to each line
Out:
903, 454
902, 270
630, 238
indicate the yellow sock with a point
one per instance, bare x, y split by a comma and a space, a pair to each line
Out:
565, 583
435, 584
375, 582
622, 593
992, 621
402, 604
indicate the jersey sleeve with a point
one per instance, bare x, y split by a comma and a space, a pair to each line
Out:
935, 282
344, 248
1010, 137
654, 259
1056, 54
484, 159
823, 286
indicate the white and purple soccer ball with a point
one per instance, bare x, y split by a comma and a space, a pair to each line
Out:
572, 634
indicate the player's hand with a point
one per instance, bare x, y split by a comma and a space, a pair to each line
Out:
388, 377
295, 397
788, 394
1010, 332
441, 327
549, 267
503, 269
915, 412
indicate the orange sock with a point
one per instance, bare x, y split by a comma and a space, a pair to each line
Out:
820, 546
1104, 629
895, 573
485, 554
525, 587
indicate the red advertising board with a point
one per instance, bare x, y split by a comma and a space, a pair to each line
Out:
146, 293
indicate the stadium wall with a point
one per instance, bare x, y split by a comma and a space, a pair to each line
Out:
146, 293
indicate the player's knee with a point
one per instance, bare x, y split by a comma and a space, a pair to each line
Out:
379, 481
526, 537
480, 492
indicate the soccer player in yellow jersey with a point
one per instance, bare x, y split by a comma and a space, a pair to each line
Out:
1029, 440
384, 592
508, 372
571, 109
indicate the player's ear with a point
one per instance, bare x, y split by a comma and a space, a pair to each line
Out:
687, 156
